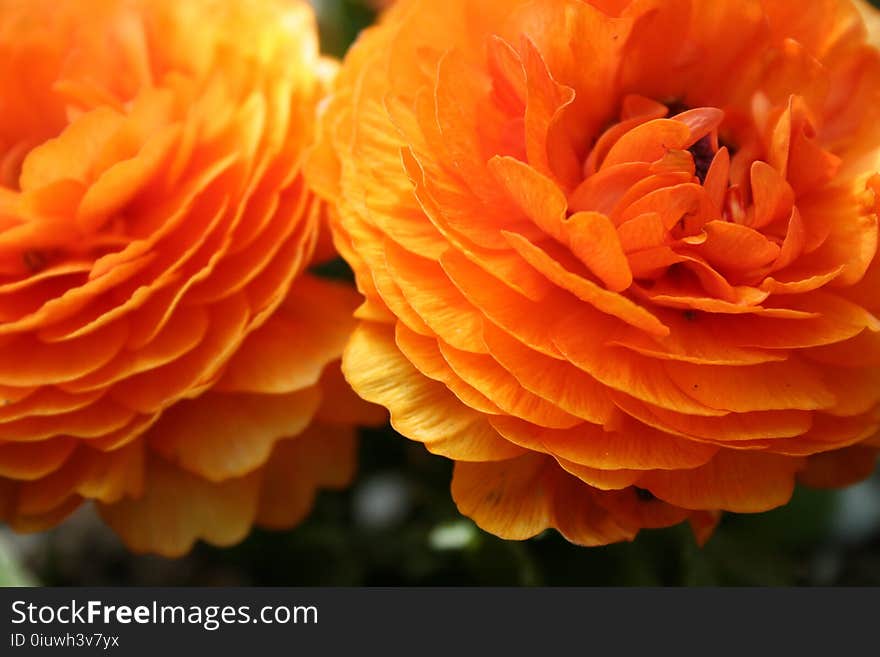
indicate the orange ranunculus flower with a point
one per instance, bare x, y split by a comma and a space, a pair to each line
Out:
162, 349
618, 256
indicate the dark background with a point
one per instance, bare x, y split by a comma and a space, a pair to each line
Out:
397, 525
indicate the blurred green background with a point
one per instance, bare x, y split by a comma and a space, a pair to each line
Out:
397, 524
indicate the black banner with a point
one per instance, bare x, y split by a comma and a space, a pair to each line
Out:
461, 621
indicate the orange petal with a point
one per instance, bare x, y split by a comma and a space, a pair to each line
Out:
45, 401
594, 240
503, 389
70, 155
686, 205
652, 262
829, 433
31, 461
436, 301
178, 508
773, 197
121, 182
632, 446
458, 94
519, 498
703, 524
696, 339
794, 242
182, 333
459, 212
827, 319
550, 152
111, 475
105, 476
424, 353
581, 339
603, 300
603, 191
539, 198
636, 111
508, 75
839, 468
743, 482
718, 178
341, 406
642, 232
28, 361
27, 523
792, 384
731, 246
601, 479
560, 383
154, 389
291, 349
857, 390
421, 409
700, 121
93, 421
723, 430
528, 320
219, 436
648, 142
322, 456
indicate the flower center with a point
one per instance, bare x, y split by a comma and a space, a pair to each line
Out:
703, 154
680, 213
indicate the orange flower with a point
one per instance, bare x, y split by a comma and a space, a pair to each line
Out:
618, 257
160, 341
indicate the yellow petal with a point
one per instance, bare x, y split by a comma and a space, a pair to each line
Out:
178, 508
421, 409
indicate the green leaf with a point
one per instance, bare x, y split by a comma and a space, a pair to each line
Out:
11, 572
